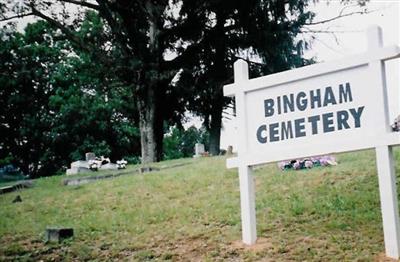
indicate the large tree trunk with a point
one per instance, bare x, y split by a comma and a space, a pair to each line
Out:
159, 122
147, 124
220, 74
151, 118
215, 130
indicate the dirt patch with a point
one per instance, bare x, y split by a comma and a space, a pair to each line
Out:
383, 258
262, 244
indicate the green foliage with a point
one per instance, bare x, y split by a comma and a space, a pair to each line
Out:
180, 143
226, 30
28, 60
6, 160
58, 103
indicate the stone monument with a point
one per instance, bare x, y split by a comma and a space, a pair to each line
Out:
199, 150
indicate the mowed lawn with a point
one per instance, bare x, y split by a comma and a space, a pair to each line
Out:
192, 213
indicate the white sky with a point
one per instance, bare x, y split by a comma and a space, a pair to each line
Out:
353, 40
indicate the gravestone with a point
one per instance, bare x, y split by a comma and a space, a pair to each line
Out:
90, 156
58, 234
109, 166
229, 151
79, 167
199, 150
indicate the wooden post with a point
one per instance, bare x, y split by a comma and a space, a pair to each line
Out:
247, 190
384, 155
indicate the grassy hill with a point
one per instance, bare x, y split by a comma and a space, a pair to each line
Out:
191, 213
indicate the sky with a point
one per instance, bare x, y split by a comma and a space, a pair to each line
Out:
350, 38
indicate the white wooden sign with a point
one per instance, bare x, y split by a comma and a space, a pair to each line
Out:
323, 108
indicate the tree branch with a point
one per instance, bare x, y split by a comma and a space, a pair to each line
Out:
70, 35
341, 15
309, 31
106, 13
16, 16
82, 3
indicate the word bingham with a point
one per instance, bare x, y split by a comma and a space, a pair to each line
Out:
332, 121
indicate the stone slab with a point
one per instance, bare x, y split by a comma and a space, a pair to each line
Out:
77, 170
58, 234
80, 163
109, 166
90, 156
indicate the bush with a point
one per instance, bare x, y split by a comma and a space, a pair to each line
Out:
179, 143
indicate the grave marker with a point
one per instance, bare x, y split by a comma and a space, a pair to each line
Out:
324, 108
199, 150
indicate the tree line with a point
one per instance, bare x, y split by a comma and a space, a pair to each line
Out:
113, 76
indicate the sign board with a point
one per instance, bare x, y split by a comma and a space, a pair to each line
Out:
323, 108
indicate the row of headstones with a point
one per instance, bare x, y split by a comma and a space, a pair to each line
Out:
92, 163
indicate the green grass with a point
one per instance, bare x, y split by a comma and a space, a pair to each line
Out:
192, 212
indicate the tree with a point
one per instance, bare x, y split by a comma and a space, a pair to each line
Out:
206, 35
266, 30
59, 103
268, 34
143, 31
180, 143
27, 61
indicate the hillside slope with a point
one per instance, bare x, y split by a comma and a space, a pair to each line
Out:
191, 212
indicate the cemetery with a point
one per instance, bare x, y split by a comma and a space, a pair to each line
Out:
93, 163
338, 207
199, 130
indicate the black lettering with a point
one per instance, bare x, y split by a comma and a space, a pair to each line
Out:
279, 105
301, 101
342, 117
329, 97
299, 127
345, 93
314, 123
288, 103
261, 139
269, 107
273, 132
315, 98
327, 121
357, 115
286, 130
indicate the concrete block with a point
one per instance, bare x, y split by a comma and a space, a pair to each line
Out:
58, 234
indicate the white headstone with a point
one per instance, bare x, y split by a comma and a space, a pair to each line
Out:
90, 156
80, 163
199, 150
109, 166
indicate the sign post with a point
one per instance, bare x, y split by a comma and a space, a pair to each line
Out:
247, 190
384, 156
324, 108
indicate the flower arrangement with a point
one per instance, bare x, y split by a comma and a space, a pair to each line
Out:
307, 163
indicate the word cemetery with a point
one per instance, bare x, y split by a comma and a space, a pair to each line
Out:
319, 109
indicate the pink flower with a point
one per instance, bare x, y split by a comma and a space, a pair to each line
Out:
296, 165
308, 164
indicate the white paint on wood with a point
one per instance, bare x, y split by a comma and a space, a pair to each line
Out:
247, 204
247, 191
365, 74
389, 203
384, 153
386, 53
